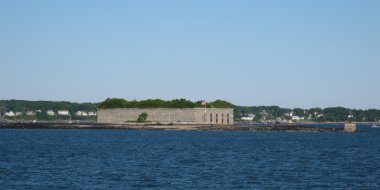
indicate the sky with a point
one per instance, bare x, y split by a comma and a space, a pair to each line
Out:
294, 53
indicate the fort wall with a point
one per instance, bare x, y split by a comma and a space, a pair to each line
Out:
217, 116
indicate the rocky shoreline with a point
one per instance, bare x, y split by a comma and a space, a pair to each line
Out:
284, 128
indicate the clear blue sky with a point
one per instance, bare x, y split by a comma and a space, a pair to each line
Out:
317, 53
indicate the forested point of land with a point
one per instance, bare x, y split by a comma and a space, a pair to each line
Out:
40, 108
25, 105
331, 114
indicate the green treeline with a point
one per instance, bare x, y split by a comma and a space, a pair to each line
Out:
24, 105
332, 114
157, 103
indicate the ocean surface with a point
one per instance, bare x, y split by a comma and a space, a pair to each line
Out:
121, 159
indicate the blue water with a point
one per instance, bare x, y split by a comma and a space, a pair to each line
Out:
118, 159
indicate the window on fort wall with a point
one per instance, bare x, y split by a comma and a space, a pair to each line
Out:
222, 118
228, 118
216, 118
211, 118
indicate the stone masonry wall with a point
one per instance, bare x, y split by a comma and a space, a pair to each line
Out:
349, 127
167, 115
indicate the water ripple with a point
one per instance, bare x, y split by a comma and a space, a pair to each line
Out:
107, 159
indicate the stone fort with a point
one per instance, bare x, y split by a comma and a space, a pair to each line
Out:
216, 116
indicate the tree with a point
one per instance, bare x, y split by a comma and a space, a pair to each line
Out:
113, 103
142, 117
221, 104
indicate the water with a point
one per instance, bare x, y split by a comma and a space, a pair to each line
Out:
117, 159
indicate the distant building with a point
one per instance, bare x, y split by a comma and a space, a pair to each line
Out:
318, 115
63, 112
50, 112
81, 113
30, 113
248, 118
297, 118
18, 114
84, 113
91, 113
10, 114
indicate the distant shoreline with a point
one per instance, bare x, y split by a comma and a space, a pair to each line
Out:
280, 127
325, 122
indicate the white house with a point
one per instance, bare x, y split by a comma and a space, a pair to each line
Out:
296, 118
10, 114
30, 113
91, 113
248, 118
50, 112
318, 115
18, 113
63, 112
81, 113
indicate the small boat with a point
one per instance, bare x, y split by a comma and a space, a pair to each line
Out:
375, 126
